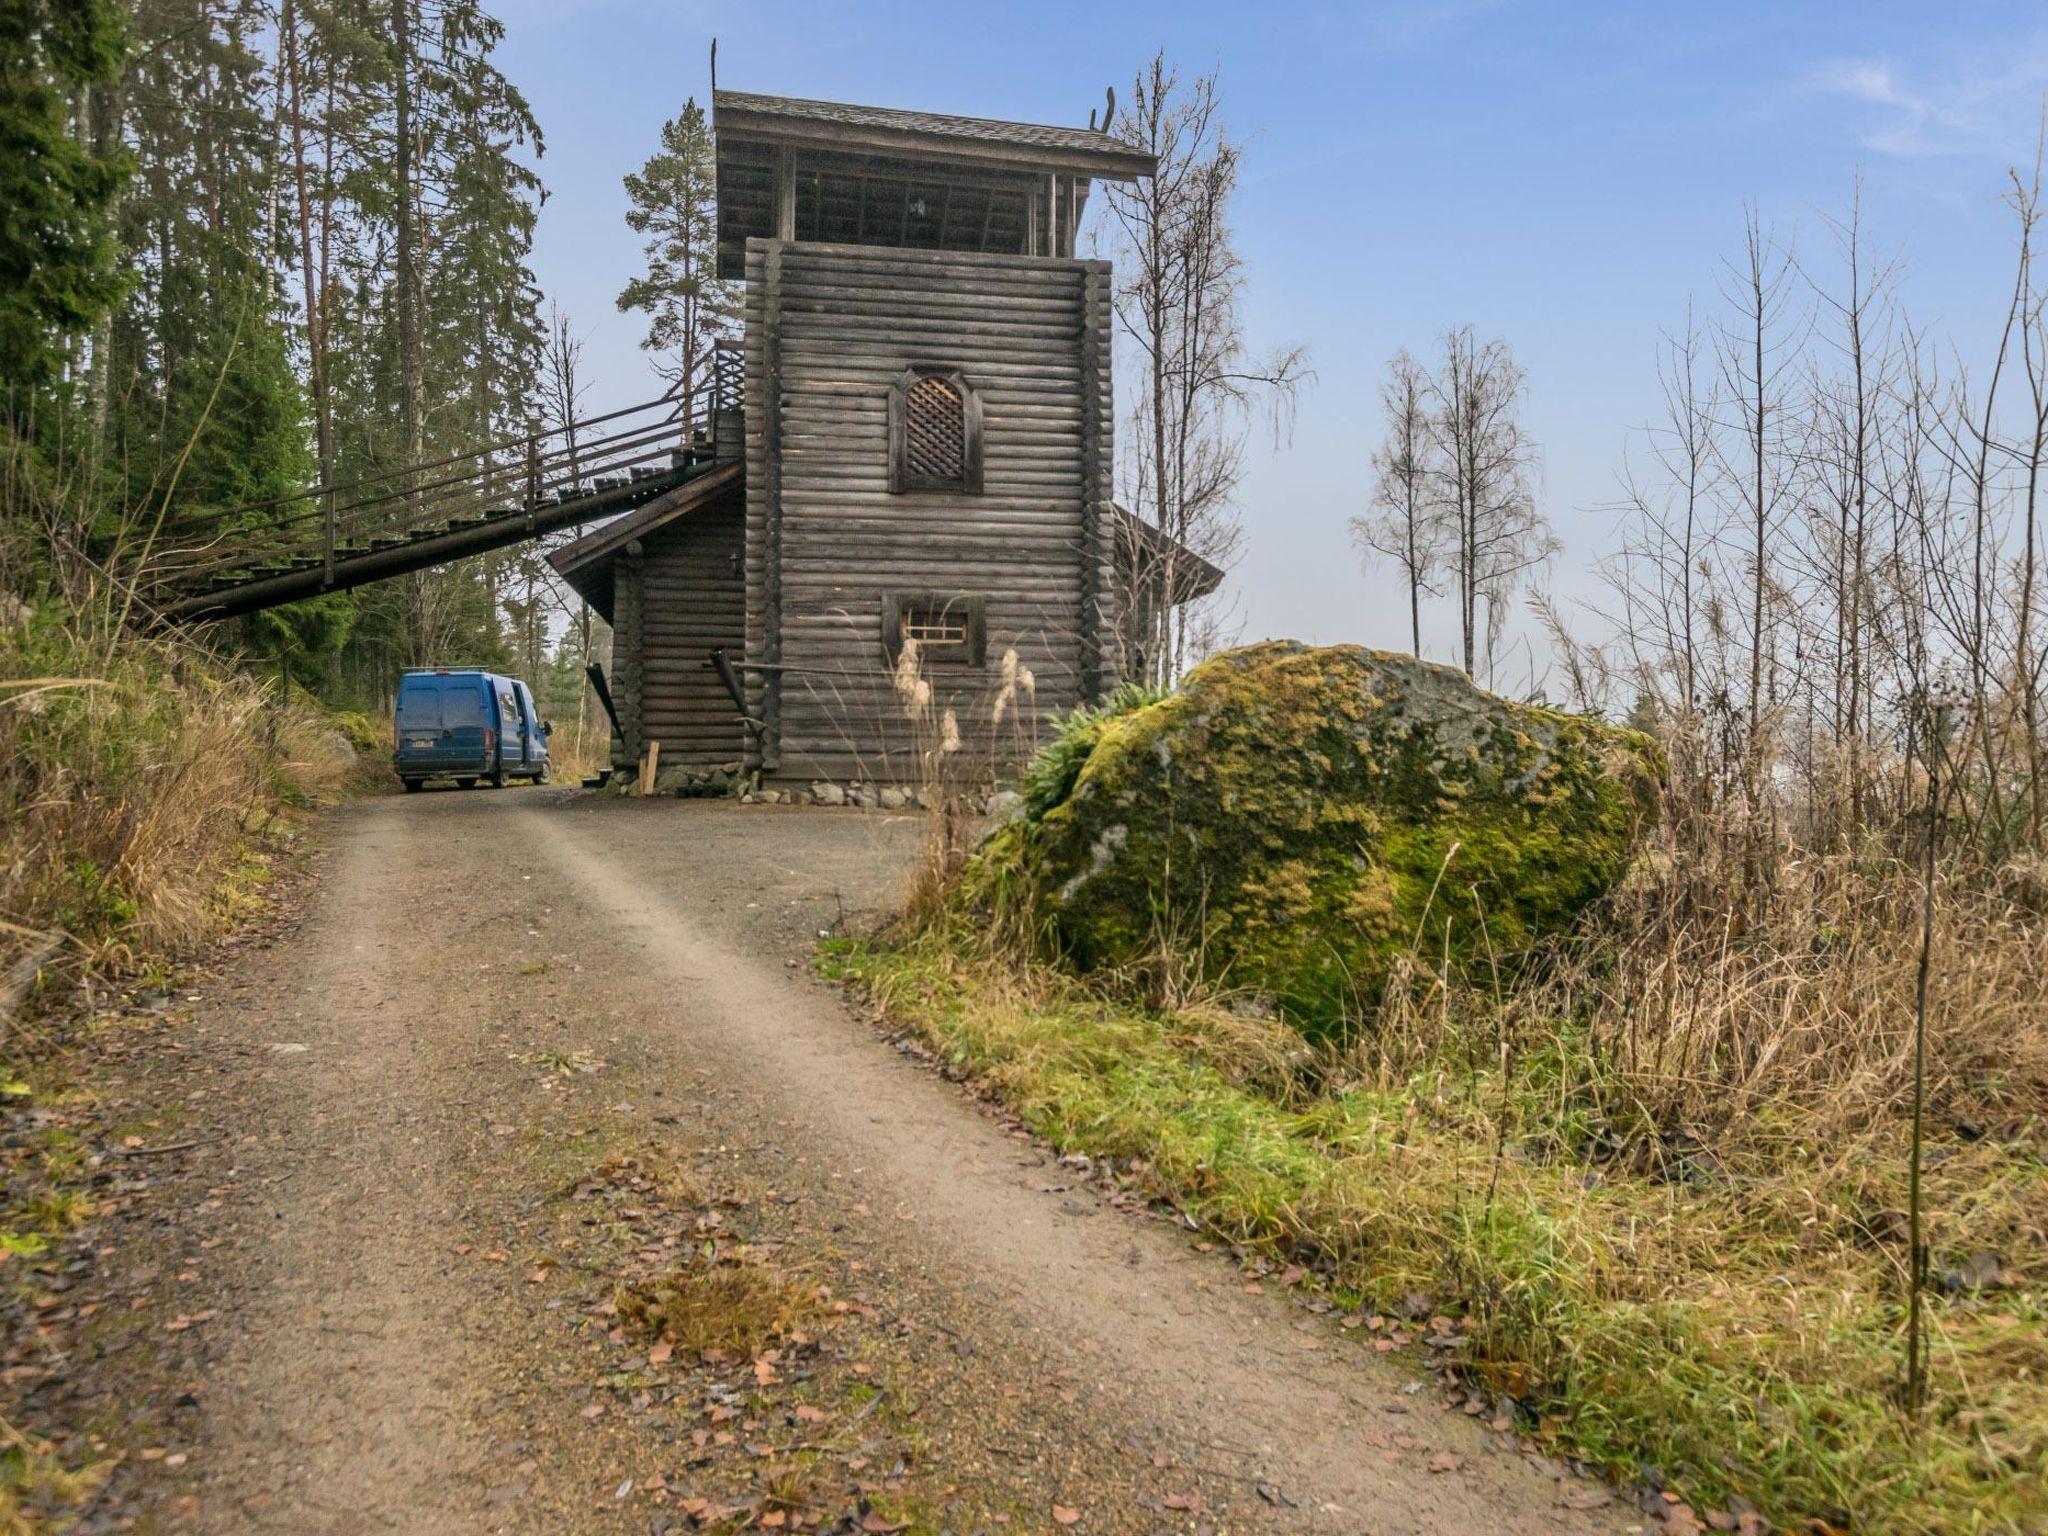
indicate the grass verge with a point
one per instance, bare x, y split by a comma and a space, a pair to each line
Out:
1733, 1328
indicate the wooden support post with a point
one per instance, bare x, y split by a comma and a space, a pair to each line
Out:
650, 765
327, 539
785, 194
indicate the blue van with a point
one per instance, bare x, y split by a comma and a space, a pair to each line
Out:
464, 724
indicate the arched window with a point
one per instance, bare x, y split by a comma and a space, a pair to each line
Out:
934, 432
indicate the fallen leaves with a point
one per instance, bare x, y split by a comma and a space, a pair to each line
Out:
1064, 1514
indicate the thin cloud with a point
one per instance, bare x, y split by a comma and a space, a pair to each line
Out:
1983, 106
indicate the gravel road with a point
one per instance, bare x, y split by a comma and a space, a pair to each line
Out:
403, 1326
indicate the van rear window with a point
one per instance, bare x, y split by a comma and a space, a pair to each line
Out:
462, 703
441, 703
419, 706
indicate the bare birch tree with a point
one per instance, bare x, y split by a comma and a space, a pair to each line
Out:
1661, 568
1483, 464
562, 383
1195, 388
562, 391
1406, 526
1759, 350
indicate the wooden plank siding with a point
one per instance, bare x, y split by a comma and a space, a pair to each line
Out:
829, 328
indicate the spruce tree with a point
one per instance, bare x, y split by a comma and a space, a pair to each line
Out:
58, 269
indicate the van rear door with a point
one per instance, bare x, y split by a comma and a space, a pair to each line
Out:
465, 722
440, 725
417, 724
536, 736
511, 726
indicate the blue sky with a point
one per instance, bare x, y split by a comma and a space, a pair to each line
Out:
1565, 176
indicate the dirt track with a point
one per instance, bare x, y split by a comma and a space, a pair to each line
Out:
488, 989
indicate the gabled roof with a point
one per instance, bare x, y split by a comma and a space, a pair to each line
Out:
586, 563
889, 130
1140, 541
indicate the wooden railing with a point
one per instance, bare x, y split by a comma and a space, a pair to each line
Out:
500, 481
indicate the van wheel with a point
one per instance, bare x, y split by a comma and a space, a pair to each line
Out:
540, 774
412, 786
497, 778
469, 783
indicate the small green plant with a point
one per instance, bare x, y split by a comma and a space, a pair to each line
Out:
1050, 776
88, 900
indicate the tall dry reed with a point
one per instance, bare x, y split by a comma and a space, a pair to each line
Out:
135, 774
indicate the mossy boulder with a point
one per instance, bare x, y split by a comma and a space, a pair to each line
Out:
1298, 817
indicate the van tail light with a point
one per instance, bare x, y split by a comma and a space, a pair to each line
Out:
490, 741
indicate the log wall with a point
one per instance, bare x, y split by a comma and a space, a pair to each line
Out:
690, 601
828, 330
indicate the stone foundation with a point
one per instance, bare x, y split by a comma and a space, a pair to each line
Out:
731, 781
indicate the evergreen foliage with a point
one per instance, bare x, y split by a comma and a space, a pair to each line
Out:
675, 205
270, 244
58, 270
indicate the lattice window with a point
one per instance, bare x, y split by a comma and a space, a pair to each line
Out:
934, 432
933, 428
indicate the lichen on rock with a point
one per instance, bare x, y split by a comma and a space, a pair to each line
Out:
1294, 818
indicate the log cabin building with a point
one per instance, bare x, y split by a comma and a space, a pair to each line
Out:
920, 451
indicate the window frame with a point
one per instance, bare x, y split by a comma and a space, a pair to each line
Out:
898, 606
901, 480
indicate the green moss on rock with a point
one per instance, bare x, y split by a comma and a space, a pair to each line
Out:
1297, 816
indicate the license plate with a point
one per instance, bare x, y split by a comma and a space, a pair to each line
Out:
423, 741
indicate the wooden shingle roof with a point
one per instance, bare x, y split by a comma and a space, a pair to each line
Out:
1085, 151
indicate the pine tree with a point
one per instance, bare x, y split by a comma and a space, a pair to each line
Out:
675, 204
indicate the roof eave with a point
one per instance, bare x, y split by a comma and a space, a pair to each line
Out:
1114, 161
608, 539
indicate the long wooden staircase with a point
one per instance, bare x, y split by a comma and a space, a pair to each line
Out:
332, 538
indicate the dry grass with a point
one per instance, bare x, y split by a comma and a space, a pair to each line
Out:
1711, 1012
724, 1304
954, 779
137, 777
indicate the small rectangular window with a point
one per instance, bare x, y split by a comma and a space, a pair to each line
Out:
950, 629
